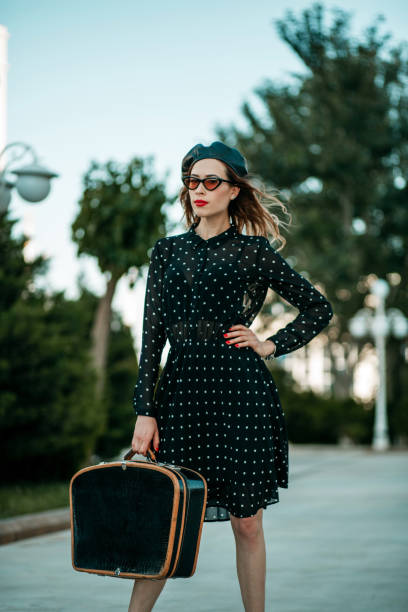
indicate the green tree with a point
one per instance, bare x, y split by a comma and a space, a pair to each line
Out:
120, 216
115, 414
120, 379
16, 274
49, 420
335, 144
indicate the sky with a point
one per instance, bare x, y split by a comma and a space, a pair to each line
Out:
103, 79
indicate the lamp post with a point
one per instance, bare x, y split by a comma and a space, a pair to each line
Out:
379, 325
33, 180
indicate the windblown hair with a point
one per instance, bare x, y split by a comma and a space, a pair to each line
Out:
252, 208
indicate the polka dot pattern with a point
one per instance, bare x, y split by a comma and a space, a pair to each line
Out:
217, 406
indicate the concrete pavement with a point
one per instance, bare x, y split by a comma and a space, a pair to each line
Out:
336, 541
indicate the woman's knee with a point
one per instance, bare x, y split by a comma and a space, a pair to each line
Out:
248, 527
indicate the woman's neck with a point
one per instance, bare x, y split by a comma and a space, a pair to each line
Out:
211, 229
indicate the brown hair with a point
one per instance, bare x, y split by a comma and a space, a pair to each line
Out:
248, 208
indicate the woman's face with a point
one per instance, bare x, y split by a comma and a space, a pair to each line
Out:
217, 200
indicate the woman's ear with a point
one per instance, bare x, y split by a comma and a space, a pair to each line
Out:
235, 192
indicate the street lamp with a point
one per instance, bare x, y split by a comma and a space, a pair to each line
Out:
379, 325
33, 180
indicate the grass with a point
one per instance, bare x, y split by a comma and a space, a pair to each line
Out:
26, 497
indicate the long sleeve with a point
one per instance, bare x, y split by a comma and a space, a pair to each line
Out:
315, 310
153, 336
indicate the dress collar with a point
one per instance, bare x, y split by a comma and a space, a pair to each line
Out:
214, 241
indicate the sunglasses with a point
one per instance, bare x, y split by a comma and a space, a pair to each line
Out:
211, 183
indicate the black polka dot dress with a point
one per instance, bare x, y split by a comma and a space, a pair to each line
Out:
217, 405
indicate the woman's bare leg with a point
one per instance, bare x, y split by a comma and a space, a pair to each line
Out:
144, 595
251, 560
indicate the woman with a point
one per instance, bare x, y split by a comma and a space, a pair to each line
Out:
216, 407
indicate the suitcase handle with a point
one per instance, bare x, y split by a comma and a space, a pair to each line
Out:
131, 452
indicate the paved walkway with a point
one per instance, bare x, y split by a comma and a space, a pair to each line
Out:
336, 542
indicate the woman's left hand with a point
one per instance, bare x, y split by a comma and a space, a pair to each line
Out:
239, 335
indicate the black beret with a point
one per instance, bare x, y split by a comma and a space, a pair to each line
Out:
216, 150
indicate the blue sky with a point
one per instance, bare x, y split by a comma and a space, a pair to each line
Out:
109, 80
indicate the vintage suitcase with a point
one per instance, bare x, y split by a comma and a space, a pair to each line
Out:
137, 519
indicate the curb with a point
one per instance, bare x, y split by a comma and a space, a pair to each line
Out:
29, 525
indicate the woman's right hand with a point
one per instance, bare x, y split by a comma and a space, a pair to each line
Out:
146, 430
